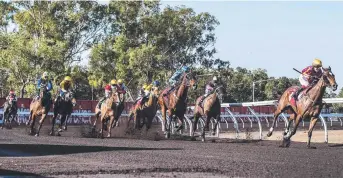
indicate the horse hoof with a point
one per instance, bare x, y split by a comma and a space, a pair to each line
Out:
269, 134
64, 128
60, 130
37, 135
51, 134
58, 134
203, 139
193, 139
311, 147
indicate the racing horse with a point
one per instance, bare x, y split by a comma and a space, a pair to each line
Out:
120, 108
108, 112
63, 107
147, 112
309, 105
176, 102
209, 108
41, 108
10, 111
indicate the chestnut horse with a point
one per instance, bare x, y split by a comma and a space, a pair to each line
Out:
64, 108
41, 108
308, 106
210, 109
108, 112
146, 112
176, 102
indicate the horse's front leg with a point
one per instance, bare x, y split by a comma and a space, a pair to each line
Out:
313, 123
65, 121
52, 132
112, 118
287, 138
41, 123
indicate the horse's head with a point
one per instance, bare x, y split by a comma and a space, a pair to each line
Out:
220, 91
192, 80
329, 78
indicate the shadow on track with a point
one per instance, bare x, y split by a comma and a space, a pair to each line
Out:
27, 150
10, 173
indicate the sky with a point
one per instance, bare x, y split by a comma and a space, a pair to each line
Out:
277, 36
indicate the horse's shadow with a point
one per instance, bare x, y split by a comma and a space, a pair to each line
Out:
12, 173
29, 150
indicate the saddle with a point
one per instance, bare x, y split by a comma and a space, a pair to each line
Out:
292, 92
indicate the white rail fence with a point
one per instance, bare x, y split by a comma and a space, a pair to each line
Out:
230, 116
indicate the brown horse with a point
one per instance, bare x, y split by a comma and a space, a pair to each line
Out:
146, 112
309, 106
108, 110
64, 108
176, 102
210, 109
41, 108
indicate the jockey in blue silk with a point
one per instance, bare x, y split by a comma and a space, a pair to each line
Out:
176, 77
44, 80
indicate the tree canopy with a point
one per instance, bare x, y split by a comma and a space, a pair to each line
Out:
136, 41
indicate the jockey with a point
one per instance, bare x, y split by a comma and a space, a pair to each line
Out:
108, 89
309, 76
209, 88
12, 96
155, 85
43, 80
121, 88
141, 93
176, 77
65, 86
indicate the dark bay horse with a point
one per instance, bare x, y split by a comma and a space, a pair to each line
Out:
176, 102
41, 108
146, 112
63, 107
308, 106
10, 112
108, 113
120, 108
210, 109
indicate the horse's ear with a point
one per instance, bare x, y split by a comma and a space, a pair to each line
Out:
329, 68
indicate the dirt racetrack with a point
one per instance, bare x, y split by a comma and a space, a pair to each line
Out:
72, 155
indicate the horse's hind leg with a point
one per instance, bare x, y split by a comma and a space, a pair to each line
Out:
313, 123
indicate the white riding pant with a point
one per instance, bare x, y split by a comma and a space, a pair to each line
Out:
303, 81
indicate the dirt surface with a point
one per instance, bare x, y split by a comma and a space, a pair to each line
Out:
72, 155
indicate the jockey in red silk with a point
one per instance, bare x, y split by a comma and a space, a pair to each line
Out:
209, 88
309, 76
108, 88
12, 96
